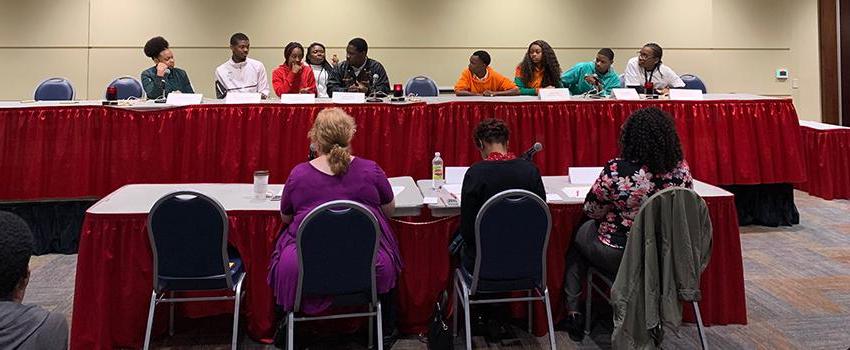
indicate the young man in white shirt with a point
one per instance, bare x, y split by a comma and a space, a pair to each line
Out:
647, 71
240, 73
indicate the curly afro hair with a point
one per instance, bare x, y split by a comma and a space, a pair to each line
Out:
16, 246
649, 137
154, 46
491, 130
551, 67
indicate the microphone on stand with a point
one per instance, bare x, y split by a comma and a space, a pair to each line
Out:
527, 155
162, 80
373, 91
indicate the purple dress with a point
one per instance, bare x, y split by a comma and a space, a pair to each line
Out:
307, 188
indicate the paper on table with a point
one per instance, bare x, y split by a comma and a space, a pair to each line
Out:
576, 191
454, 189
583, 175
553, 197
430, 200
397, 190
455, 174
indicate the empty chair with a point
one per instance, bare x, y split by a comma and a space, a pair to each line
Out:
672, 225
127, 87
188, 236
337, 244
54, 89
511, 236
693, 82
421, 86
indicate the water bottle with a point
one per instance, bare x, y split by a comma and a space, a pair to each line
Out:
437, 171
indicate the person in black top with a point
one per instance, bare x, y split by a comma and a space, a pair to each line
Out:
499, 171
357, 73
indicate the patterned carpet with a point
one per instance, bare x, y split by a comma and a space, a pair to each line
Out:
797, 280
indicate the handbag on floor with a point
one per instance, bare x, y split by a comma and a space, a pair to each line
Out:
439, 335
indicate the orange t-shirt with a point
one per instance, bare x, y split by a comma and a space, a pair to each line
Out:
493, 82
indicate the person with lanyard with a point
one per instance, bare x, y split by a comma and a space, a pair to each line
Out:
163, 78
293, 76
479, 79
538, 70
647, 73
359, 73
240, 73
316, 57
595, 76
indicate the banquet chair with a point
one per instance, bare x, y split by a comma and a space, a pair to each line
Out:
188, 236
511, 236
337, 244
693, 82
607, 280
422, 86
54, 89
127, 87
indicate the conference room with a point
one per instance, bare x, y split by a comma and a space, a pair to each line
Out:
424, 175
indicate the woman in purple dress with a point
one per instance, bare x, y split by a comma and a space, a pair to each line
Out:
333, 175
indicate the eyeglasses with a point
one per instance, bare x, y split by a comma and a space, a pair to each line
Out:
644, 56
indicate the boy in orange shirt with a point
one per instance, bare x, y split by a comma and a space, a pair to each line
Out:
481, 80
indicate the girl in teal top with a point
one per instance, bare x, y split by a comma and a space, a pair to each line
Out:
163, 78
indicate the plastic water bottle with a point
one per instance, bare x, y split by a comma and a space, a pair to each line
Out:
437, 171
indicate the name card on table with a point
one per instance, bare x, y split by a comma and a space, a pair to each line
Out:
298, 98
583, 175
348, 97
576, 191
686, 94
234, 97
625, 94
554, 94
455, 174
178, 99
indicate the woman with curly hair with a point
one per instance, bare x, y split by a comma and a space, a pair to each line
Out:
650, 161
538, 70
163, 78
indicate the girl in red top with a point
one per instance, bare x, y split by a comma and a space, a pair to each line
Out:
293, 76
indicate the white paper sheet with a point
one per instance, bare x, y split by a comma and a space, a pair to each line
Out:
583, 175
686, 94
397, 190
178, 99
234, 97
430, 200
576, 191
455, 174
297, 98
553, 197
625, 94
454, 189
349, 97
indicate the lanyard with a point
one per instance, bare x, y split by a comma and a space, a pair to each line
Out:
648, 79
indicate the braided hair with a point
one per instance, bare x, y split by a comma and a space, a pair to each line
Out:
649, 137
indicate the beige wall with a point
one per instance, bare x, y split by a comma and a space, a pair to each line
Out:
734, 45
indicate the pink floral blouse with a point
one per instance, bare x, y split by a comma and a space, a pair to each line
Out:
616, 196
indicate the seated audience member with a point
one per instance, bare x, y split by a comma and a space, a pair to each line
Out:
650, 161
335, 174
596, 75
538, 70
321, 68
241, 73
163, 78
481, 80
357, 73
293, 76
647, 70
23, 326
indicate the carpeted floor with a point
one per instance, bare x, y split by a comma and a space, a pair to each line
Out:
797, 280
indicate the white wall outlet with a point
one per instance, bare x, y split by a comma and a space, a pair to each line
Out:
795, 83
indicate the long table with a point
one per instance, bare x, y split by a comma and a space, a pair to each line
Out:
826, 150
114, 276
83, 150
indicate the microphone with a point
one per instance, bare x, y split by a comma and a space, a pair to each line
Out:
373, 89
167, 71
536, 147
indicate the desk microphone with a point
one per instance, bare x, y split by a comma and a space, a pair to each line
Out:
531, 151
373, 89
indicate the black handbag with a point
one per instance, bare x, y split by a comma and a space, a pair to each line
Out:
439, 335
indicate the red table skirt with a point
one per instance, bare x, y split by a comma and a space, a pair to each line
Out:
114, 277
827, 157
80, 151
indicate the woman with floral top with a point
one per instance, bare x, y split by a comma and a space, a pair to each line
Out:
650, 161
